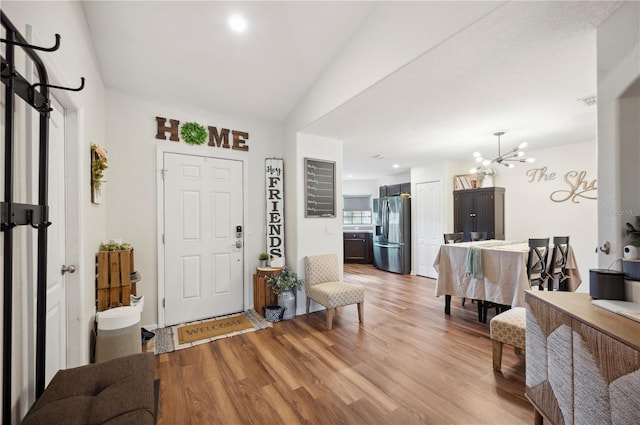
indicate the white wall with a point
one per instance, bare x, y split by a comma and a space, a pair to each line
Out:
85, 125
618, 49
395, 179
531, 213
132, 180
316, 235
361, 187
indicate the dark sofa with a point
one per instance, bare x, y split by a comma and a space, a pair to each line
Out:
114, 392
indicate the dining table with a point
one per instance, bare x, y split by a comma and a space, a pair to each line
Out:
490, 271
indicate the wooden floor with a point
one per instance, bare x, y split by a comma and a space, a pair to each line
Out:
408, 363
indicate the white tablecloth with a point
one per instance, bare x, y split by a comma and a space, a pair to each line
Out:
504, 269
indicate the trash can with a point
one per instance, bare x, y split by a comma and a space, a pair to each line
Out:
118, 333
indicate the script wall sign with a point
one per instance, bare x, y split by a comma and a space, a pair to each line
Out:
275, 206
578, 186
217, 138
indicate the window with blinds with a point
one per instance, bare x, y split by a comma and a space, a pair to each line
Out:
357, 209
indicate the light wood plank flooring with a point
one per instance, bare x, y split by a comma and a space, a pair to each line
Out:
408, 363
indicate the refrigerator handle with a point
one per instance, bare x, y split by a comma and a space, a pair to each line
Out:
386, 217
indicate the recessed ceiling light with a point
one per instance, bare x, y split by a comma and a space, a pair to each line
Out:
237, 23
395, 166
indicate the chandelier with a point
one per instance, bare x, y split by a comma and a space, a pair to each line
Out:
514, 155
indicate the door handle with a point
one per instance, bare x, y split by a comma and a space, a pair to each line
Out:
238, 244
67, 269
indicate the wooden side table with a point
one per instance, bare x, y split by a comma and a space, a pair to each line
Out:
262, 293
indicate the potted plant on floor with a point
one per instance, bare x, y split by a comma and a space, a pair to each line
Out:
283, 285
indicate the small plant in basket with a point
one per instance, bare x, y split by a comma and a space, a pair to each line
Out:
285, 280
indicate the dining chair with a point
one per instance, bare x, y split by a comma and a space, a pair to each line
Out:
324, 285
537, 262
478, 236
456, 237
509, 327
558, 263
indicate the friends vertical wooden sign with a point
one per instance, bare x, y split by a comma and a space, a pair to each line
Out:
274, 177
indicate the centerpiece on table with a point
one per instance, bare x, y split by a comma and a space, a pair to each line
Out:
283, 285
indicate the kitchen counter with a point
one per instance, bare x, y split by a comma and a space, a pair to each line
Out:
358, 228
358, 246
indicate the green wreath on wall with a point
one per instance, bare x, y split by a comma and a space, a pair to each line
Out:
193, 133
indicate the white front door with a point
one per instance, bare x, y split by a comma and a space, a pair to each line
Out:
56, 317
430, 226
203, 237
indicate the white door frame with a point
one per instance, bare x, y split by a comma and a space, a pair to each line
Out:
77, 333
202, 151
419, 219
77, 329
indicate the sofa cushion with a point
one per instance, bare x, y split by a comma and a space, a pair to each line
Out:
114, 392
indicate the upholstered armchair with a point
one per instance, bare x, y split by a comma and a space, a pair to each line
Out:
324, 285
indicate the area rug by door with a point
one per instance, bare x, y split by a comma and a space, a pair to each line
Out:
186, 335
212, 328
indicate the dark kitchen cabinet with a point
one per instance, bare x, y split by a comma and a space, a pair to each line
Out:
358, 247
395, 189
479, 210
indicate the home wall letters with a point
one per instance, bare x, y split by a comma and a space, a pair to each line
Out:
579, 186
217, 138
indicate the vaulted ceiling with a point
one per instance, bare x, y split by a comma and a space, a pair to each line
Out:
447, 80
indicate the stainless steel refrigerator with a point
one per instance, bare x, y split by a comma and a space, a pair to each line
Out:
392, 242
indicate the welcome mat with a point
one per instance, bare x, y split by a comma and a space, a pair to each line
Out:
212, 328
190, 334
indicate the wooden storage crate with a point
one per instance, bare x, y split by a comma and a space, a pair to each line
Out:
113, 278
262, 293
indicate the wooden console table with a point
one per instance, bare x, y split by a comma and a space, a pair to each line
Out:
262, 293
583, 362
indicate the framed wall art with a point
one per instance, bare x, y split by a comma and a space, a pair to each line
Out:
319, 188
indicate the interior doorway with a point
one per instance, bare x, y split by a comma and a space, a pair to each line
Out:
56, 316
203, 235
430, 226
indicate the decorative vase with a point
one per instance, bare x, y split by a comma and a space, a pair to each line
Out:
487, 181
287, 300
263, 263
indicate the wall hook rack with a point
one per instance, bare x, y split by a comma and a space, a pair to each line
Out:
31, 46
13, 214
51, 86
30, 221
44, 107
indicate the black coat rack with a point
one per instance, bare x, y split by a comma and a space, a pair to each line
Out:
14, 214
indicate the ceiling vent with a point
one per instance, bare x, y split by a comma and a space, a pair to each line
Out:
589, 100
